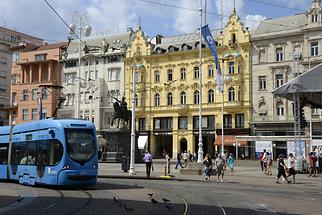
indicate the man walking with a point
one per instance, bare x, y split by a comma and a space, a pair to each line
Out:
179, 157
220, 164
291, 166
148, 163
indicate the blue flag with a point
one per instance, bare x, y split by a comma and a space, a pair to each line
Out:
212, 45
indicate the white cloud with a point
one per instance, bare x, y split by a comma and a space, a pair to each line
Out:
186, 21
252, 21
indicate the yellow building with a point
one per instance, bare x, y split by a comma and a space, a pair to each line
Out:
167, 89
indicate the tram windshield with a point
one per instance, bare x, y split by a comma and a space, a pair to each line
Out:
80, 144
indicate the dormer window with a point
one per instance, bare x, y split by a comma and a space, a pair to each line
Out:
314, 18
233, 38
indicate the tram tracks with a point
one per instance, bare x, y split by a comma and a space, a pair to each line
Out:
65, 200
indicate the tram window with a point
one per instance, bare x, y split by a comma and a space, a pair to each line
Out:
43, 152
55, 153
32, 151
23, 153
3, 153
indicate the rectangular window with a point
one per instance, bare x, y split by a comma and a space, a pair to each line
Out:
170, 75
25, 114
25, 95
196, 72
183, 73
262, 56
157, 77
34, 94
231, 67
44, 113
183, 122
279, 80
279, 54
14, 98
114, 74
228, 121
314, 48
163, 123
208, 122
239, 120
262, 82
142, 123
34, 113
44, 94
211, 71
40, 57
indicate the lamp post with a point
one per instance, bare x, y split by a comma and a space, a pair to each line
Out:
82, 26
132, 155
200, 149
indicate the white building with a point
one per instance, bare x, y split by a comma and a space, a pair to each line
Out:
283, 48
101, 77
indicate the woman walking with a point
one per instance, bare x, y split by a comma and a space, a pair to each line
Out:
208, 166
281, 167
231, 163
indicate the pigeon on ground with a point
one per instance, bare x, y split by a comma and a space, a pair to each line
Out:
115, 199
154, 201
165, 200
150, 194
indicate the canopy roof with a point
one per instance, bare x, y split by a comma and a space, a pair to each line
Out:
307, 85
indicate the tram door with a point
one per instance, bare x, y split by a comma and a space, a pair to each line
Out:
42, 157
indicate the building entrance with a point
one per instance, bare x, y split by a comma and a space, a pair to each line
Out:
183, 145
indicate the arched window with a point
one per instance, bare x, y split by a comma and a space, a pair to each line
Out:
169, 98
211, 96
136, 100
231, 94
157, 99
280, 109
196, 97
183, 98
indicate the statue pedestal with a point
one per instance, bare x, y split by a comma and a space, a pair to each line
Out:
118, 144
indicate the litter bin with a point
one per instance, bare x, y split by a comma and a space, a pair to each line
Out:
125, 163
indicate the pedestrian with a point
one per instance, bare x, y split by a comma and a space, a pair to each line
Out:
231, 163
167, 163
265, 159
269, 163
312, 165
194, 157
261, 161
179, 157
220, 164
281, 169
185, 158
291, 166
148, 163
207, 162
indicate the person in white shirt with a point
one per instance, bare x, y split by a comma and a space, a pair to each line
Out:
185, 158
291, 166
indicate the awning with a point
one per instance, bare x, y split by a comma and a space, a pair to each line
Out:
229, 140
142, 142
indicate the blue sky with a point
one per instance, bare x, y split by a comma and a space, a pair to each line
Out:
36, 18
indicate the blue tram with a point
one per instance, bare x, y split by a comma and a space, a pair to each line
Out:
51, 152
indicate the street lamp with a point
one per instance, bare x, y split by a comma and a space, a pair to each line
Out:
82, 26
132, 155
224, 80
200, 149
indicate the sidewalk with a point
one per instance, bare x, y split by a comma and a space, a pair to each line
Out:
246, 171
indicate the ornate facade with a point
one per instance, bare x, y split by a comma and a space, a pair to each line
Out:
167, 89
283, 48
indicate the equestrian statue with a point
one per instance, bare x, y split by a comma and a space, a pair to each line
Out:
121, 113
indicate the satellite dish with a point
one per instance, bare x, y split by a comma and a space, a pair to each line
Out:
72, 28
88, 30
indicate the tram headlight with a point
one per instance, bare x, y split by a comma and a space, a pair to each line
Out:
66, 167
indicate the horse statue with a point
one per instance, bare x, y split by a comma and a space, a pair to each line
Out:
121, 114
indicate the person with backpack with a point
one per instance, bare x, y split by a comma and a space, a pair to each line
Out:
207, 162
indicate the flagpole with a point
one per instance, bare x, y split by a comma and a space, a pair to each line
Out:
200, 150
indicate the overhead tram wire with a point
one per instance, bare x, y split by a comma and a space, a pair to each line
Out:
217, 14
54, 10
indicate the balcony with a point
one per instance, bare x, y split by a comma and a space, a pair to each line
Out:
233, 104
180, 108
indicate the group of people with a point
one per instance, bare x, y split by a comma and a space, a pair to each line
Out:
183, 159
286, 170
219, 166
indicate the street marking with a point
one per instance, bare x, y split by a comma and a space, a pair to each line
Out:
222, 210
267, 208
185, 212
